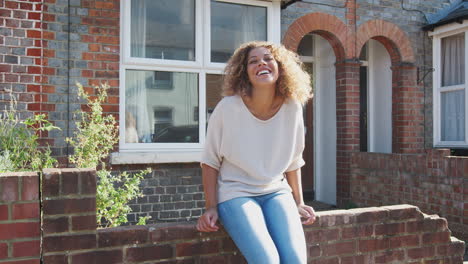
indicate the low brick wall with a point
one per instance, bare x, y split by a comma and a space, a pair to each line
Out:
19, 218
435, 182
390, 234
399, 233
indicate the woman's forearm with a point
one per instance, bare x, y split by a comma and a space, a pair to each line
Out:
210, 180
294, 180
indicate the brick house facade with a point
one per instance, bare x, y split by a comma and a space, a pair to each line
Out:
49, 45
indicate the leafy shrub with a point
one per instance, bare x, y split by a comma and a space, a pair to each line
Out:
96, 136
19, 146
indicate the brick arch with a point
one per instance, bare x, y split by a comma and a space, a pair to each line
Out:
325, 25
391, 36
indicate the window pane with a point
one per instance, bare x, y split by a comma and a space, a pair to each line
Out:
163, 29
234, 24
453, 116
214, 83
306, 46
161, 115
453, 60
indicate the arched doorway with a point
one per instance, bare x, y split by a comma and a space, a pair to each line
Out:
319, 174
375, 98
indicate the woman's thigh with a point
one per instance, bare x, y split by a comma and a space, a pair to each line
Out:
243, 219
285, 227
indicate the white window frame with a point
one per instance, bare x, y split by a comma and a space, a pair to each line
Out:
437, 35
139, 153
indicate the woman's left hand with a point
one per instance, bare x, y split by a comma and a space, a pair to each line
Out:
306, 212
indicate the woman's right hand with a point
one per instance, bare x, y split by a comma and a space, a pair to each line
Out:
207, 222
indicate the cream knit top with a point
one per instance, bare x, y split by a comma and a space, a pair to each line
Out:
250, 154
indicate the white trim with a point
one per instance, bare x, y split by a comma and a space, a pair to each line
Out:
449, 29
438, 34
145, 153
155, 158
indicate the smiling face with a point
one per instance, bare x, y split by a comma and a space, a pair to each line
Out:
262, 67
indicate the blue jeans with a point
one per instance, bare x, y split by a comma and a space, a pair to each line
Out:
266, 228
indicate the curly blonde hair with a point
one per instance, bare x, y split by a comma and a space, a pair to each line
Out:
293, 81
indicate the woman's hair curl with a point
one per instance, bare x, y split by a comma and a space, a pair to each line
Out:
293, 81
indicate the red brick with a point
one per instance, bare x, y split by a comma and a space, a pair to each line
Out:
50, 183
19, 230
178, 232
8, 189
65, 206
322, 235
436, 238
11, 4
154, 252
104, 5
419, 253
108, 257
357, 231
84, 222
69, 183
371, 216
30, 188
33, 52
26, 248
3, 250
26, 211
369, 245
34, 70
71, 242
88, 182
122, 236
404, 241
34, 15
197, 248
229, 245
389, 228
55, 259
55, 225
4, 212
390, 257
338, 249
33, 88
5, 68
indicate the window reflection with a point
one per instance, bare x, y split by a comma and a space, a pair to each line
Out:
234, 24
161, 115
163, 29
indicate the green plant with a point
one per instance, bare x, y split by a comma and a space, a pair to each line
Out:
96, 135
19, 141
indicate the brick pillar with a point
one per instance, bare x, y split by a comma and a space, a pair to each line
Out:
19, 218
407, 110
347, 116
69, 213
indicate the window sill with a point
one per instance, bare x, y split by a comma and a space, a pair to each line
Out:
121, 158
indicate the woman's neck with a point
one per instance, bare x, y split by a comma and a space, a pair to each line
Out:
263, 103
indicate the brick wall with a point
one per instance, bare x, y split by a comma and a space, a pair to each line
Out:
172, 192
81, 44
20, 55
434, 182
400, 233
19, 218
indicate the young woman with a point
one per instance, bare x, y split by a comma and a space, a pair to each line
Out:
253, 155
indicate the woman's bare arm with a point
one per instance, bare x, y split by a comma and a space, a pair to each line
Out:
207, 222
294, 180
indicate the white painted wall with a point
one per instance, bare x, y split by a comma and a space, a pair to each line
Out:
379, 99
325, 122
